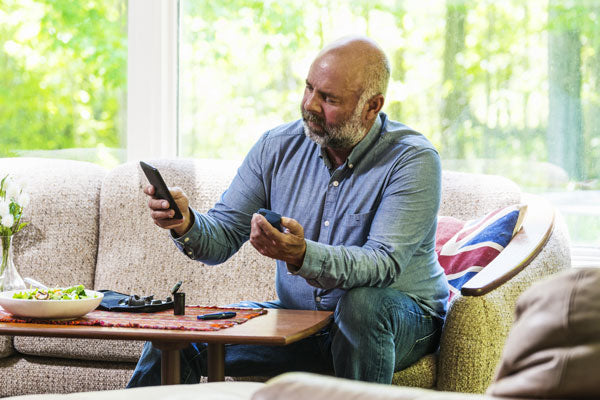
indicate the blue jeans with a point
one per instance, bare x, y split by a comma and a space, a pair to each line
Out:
374, 332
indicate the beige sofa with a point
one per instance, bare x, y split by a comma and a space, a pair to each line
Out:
290, 386
91, 226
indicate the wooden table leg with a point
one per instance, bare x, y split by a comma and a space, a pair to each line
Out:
170, 367
216, 362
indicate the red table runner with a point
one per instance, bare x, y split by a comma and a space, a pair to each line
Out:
158, 320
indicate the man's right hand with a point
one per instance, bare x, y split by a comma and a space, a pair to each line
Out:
163, 216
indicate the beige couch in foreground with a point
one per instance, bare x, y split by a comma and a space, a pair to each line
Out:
91, 226
290, 386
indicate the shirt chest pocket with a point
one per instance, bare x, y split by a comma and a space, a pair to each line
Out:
360, 219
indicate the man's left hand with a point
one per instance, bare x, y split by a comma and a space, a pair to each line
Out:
288, 246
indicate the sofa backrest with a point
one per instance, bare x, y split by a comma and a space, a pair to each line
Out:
59, 245
467, 195
136, 256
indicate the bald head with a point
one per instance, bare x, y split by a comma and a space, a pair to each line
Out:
365, 63
344, 94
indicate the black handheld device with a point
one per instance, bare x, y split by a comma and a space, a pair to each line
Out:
219, 315
273, 218
161, 190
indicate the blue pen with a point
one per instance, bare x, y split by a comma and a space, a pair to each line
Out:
219, 315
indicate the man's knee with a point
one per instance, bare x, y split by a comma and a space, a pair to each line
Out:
361, 306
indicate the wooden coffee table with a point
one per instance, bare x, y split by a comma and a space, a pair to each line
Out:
276, 327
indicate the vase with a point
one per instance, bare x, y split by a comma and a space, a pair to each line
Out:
10, 279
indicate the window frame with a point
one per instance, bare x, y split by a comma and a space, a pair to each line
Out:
152, 79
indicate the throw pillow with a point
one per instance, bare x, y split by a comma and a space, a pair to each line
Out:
465, 247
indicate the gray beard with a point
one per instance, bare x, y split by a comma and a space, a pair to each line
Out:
343, 136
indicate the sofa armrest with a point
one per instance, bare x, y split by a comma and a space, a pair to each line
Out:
522, 249
477, 326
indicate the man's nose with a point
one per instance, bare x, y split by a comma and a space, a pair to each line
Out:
311, 103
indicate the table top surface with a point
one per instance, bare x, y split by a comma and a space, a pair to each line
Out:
276, 327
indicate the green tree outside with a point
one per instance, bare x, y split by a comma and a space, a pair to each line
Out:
63, 71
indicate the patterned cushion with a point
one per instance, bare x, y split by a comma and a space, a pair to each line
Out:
466, 247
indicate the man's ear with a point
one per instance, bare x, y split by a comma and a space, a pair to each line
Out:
374, 105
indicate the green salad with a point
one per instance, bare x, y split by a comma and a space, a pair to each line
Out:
70, 293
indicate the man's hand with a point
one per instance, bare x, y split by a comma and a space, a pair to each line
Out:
289, 246
162, 215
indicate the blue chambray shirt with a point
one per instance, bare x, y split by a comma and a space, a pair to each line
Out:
369, 222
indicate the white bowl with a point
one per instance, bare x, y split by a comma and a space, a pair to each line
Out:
50, 309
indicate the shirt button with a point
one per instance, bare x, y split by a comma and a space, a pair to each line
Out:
336, 183
190, 253
186, 239
326, 223
350, 165
318, 299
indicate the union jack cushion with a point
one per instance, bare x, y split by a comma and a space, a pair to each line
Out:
466, 247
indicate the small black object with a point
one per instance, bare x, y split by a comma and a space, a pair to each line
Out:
161, 190
135, 300
168, 299
179, 303
176, 287
273, 218
219, 315
115, 301
148, 299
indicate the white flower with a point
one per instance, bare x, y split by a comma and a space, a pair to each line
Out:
8, 220
4, 210
12, 189
23, 199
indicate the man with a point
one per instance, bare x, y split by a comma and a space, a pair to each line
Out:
359, 196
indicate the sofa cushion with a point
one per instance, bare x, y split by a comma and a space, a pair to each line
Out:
466, 247
422, 374
6, 346
24, 375
204, 391
59, 246
467, 196
80, 349
136, 256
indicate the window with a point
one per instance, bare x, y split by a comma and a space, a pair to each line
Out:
508, 87
63, 70
499, 87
